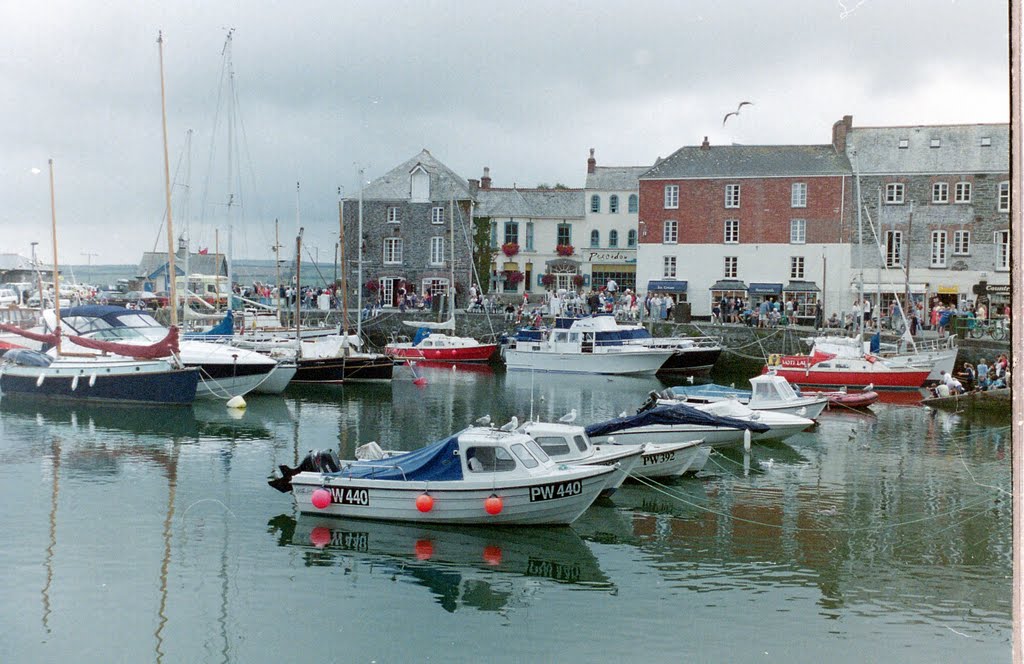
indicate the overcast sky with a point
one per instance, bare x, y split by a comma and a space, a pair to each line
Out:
525, 88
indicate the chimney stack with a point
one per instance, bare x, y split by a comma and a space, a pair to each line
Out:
591, 163
485, 181
474, 186
705, 145
839, 133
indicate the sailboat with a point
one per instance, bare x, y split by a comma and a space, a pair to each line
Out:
148, 374
434, 346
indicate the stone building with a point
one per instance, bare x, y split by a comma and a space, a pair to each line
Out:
935, 203
409, 216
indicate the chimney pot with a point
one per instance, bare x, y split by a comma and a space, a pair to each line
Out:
591, 162
705, 145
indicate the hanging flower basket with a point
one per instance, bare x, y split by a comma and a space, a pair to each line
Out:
577, 280
510, 249
564, 250
373, 285
547, 279
514, 276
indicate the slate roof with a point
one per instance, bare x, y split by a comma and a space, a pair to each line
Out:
395, 185
959, 151
16, 262
616, 178
737, 161
152, 261
530, 203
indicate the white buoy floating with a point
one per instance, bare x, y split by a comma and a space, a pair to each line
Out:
746, 440
236, 402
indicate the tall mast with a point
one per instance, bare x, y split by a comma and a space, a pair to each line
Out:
171, 270
359, 261
231, 148
860, 257
298, 293
216, 269
277, 265
56, 278
344, 278
451, 234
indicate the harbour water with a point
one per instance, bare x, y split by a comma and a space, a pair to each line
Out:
136, 535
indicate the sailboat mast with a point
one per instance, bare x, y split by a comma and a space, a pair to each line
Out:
216, 267
451, 235
231, 148
344, 277
56, 278
298, 293
277, 265
359, 261
171, 270
860, 259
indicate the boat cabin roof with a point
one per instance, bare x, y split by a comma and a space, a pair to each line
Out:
560, 441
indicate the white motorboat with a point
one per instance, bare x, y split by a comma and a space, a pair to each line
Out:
567, 443
780, 425
671, 422
477, 476
576, 349
769, 392
224, 371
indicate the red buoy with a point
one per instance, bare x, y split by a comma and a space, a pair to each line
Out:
424, 502
493, 504
321, 498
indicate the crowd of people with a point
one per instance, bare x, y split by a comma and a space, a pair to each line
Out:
983, 376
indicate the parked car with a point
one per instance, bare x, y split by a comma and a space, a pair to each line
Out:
8, 296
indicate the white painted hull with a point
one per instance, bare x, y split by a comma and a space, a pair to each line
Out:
659, 460
625, 462
278, 379
455, 502
663, 434
700, 460
612, 362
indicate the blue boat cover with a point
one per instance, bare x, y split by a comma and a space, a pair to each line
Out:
421, 334
710, 390
876, 342
225, 328
23, 357
671, 415
436, 462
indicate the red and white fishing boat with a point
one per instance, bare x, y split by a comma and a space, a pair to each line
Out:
827, 370
438, 347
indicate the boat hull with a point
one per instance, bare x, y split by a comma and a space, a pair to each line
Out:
882, 380
662, 434
152, 384
278, 379
523, 502
698, 361
480, 354
338, 370
614, 363
666, 461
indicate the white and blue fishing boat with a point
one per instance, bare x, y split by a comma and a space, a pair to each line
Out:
477, 476
568, 443
769, 392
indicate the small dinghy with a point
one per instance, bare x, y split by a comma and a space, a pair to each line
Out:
477, 476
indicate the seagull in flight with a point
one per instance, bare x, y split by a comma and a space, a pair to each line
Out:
737, 111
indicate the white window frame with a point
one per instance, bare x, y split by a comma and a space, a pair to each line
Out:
613, 238
1001, 239
668, 266
894, 193
393, 248
731, 267
393, 215
595, 203
437, 250
436, 286
940, 193
796, 267
670, 235
961, 243
894, 248
613, 204
939, 249
631, 238
797, 231
962, 192
798, 195
731, 231
529, 236
634, 203
671, 197
437, 214
732, 196
595, 238
1004, 196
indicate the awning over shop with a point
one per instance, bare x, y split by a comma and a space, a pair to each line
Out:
765, 289
612, 267
728, 285
871, 289
666, 286
801, 287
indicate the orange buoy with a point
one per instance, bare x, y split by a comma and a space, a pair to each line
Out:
493, 504
424, 502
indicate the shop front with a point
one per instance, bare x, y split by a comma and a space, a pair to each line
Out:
610, 265
668, 287
730, 290
948, 294
805, 296
760, 292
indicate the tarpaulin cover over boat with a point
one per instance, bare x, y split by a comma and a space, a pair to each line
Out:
436, 462
670, 415
226, 327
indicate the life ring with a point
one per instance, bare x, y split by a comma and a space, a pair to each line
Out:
774, 360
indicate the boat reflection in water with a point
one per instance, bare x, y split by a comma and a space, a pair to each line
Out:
552, 395
484, 568
175, 421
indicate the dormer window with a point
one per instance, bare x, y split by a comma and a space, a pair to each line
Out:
936, 143
419, 185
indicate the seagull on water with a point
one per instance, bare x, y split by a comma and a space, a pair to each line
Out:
568, 417
737, 111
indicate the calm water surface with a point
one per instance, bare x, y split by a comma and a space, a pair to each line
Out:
150, 535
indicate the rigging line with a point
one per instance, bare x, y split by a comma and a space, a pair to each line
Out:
213, 134
963, 462
933, 534
663, 489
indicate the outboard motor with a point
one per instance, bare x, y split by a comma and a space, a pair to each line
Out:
316, 461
